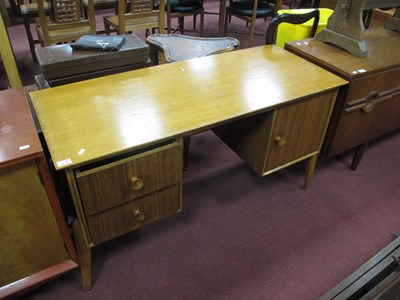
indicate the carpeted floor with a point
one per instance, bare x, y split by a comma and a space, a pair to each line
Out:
240, 236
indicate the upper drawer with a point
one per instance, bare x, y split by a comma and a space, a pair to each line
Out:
121, 181
366, 89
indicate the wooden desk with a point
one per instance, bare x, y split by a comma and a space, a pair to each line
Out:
370, 106
118, 137
35, 242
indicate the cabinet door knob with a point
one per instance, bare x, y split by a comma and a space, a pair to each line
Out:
281, 141
139, 216
137, 183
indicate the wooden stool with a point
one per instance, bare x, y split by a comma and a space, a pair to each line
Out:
177, 47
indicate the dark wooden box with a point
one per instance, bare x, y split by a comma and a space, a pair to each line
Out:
61, 64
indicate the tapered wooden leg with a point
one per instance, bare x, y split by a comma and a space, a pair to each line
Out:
186, 146
85, 256
358, 154
310, 171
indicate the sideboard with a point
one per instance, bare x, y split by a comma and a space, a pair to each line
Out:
119, 138
370, 105
36, 245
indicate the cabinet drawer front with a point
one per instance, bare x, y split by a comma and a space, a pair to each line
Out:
298, 130
372, 109
134, 214
113, 184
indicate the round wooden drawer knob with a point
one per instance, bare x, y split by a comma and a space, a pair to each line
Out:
281, 141
139, 216
136, 183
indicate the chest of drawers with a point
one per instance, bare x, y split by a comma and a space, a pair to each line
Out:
120, 196
370, 105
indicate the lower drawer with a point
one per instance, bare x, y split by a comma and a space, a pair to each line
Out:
122, 219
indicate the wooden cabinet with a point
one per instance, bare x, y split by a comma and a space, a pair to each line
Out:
370, 105
34, 238
276, 139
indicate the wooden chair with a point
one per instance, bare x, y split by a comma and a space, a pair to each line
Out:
292, 19
143, 14
8, 58
176, 47
67, 24
250, 11
99, 5
183, 8
29, 13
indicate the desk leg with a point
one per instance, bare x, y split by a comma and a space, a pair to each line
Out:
358, 154
85, 256
310, 171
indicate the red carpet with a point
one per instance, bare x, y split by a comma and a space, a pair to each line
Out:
240, 236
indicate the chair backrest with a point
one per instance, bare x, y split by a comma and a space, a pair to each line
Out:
143, 14
67, 23
292, 19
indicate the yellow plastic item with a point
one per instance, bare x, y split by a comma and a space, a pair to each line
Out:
290, 32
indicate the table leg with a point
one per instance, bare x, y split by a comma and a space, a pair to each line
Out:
85, 256
310, 171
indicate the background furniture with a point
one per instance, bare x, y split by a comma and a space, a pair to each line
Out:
345, 30
370, 105
143, 14
61, 64
4, 13
292, 19
35, 242
7, 56
127, 171
98, 5
66, 23
176, 47
29, 12
250, 11
183, 8
378, 278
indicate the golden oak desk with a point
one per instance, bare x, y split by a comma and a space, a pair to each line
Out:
119, 137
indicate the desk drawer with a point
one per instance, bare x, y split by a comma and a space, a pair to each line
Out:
121, 181
134, 214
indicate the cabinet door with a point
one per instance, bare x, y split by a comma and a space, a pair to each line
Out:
298, 130
30, 238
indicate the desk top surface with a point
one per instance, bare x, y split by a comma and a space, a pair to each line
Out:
383, 53
101, 117
18, 138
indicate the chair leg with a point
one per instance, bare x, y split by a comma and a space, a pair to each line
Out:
169, 24
181, 23
27, 25
202, 24
252, 30
227, 18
